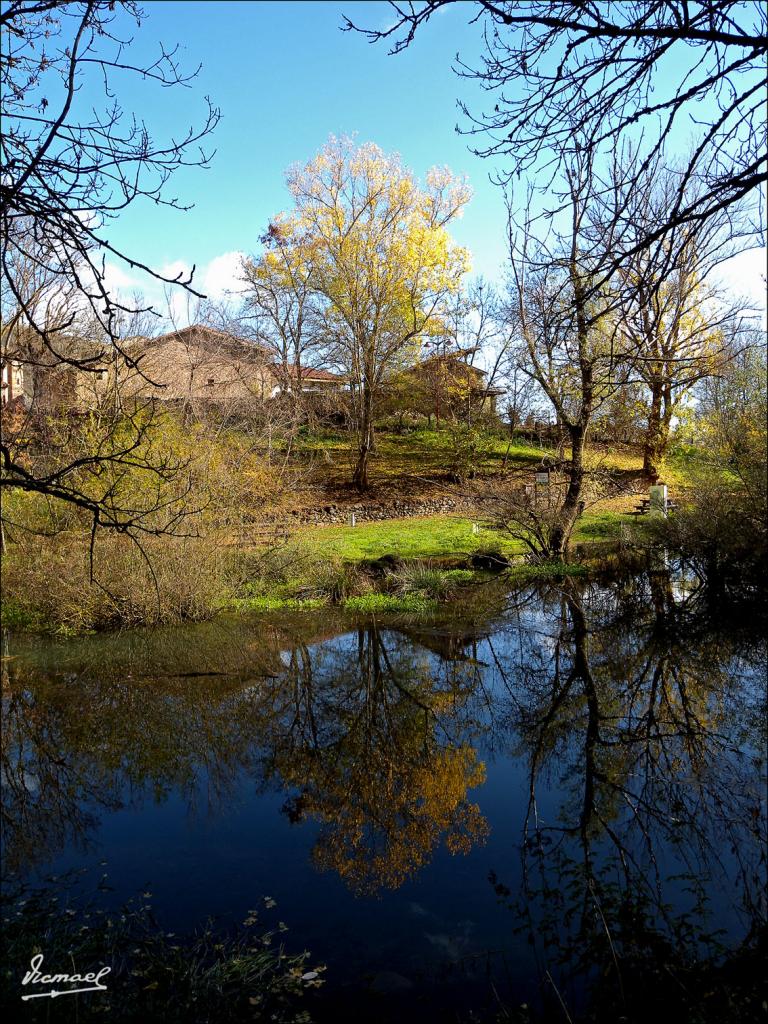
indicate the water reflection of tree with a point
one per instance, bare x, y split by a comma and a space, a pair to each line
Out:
370, 737
100, 724
637, 704
380, 761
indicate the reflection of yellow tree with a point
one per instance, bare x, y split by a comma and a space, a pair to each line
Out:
353, 726
374, 773
383, 823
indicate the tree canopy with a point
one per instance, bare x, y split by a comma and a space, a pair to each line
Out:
617, 73
383, 264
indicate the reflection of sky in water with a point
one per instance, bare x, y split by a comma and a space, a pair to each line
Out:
316, 759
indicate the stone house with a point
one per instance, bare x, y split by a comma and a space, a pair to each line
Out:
445, 386
197, 367
203, 366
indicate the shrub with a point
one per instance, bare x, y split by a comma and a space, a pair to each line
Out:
721, 531
468, 447
337, 580
50, 586
404, 422
428, 580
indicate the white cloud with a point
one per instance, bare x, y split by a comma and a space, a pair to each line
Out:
117, 280
744, 276
176, 269
222, 275
214, 279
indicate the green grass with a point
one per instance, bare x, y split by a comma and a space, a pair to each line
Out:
601, 525
438, 443
371, 603
273, 604
326, 567
434, 537
15, 616
454, 576
427, 537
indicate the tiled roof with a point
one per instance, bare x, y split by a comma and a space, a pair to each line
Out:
223, 339
458, 358
312, 373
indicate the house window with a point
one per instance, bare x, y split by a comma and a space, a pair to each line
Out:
211, 381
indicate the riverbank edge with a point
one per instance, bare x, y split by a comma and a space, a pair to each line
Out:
430, 576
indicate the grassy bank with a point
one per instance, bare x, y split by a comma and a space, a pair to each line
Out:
53, 582
437, 537
408, 565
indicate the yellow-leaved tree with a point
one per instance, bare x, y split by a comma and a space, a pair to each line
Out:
384, 265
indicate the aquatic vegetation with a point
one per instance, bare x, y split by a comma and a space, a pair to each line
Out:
207, 975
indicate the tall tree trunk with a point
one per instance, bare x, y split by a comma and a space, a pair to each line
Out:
572, 506
360, 475
366, 443
656, 435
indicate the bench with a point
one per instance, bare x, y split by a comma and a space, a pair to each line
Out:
644, 507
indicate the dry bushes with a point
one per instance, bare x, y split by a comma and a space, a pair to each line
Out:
48, 584
173, 569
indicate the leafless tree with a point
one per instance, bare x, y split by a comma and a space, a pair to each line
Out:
68, 166
613, 72
567, 328
678, 325
521, 391
281, 302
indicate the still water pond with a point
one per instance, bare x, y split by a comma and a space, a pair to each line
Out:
553, 797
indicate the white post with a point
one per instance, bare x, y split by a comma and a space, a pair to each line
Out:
351, 519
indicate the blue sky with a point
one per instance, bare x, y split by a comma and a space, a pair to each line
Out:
285, 78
